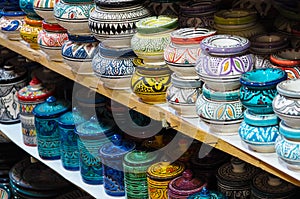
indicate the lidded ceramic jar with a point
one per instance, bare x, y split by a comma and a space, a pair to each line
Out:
206, 194
259, 89
287, 60
265, 185
74, 16
152, 37
112, 155
46, 117
12, 79
239, 21
114, 66
182, 95
51, 39
135, 166
44, 8
11, 23
183, 51
184, 186
159, 175
116, 23
30, 96
30, 30
234, 178
78, 53
150, 82
68, 138
222, 60
27, 6
92, 135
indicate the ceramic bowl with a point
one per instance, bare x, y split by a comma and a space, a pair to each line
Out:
27, 7
78, 53
74, 17
190, 36
287, 103
260, 120
236, 16
290, 133
114, 66
259, 89
182, 95
222, 96
44, 8
288, 152
11, 23
30, 30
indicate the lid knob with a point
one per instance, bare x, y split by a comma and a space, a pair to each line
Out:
51, 100
238, 165
35, 83
117, 139
204, 193
273, 180
187, 175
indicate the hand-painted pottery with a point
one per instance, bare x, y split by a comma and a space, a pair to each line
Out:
183, 186
30, 30
5, 191
265, 185
12, 79
288, 132
234, 178
11, 23
182, 95
283, 25
93, 134
206, 194
112, 155
150, 84
135, 166
159, 175
114, 66
28, 97
259, 89
116, 23
69, 148
44, 8
295, 36
197, 14
288, 152
287, 60
45, 117
27, 7
51, 39
290, 12
74, 16
163, 7
78, 53
115, 3
286, 104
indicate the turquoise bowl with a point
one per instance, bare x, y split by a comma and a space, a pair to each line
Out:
260, 119
259, 89
215, 95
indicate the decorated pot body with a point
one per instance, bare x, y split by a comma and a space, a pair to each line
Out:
182, 95
44, 8
30, 30
51, 40
78, 53
114, 67
12, 79
11, 23
74, 17
116, 23
27, 7
169, 8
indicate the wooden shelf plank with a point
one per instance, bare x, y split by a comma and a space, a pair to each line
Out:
192, 127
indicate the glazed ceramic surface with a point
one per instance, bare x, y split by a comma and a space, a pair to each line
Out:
112, 155
74, 17
286, 103
159, 175
259, 89
27, 7
114, 66
11, 23
45, 118
28, 97
44, 8
182, 95
78, 53
204, 193
30, 30
169, 8
12, 79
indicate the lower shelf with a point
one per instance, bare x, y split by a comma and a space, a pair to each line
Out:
13, 132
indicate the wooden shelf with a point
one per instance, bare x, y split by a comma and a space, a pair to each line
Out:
191, 127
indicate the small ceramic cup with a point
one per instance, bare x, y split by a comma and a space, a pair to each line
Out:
30, 30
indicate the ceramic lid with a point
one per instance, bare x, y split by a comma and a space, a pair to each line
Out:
266, 185
51, 108
236, 173
206, 194
70, 119
185, 83
237, 16
117, 148
94, 127
137, 158
11, 74
211, 94
287, 58
165, 170
190, 35
34, 91
260, 119
268, 41
156, 24
289, 88
225, 45
186, 184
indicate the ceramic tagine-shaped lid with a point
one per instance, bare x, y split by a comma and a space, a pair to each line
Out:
51, 108
185, 185
70, 119
165, 170
34, 92
10, 74
265, 185
206, 194
139, 158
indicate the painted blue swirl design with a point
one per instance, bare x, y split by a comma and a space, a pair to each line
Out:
12, 26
